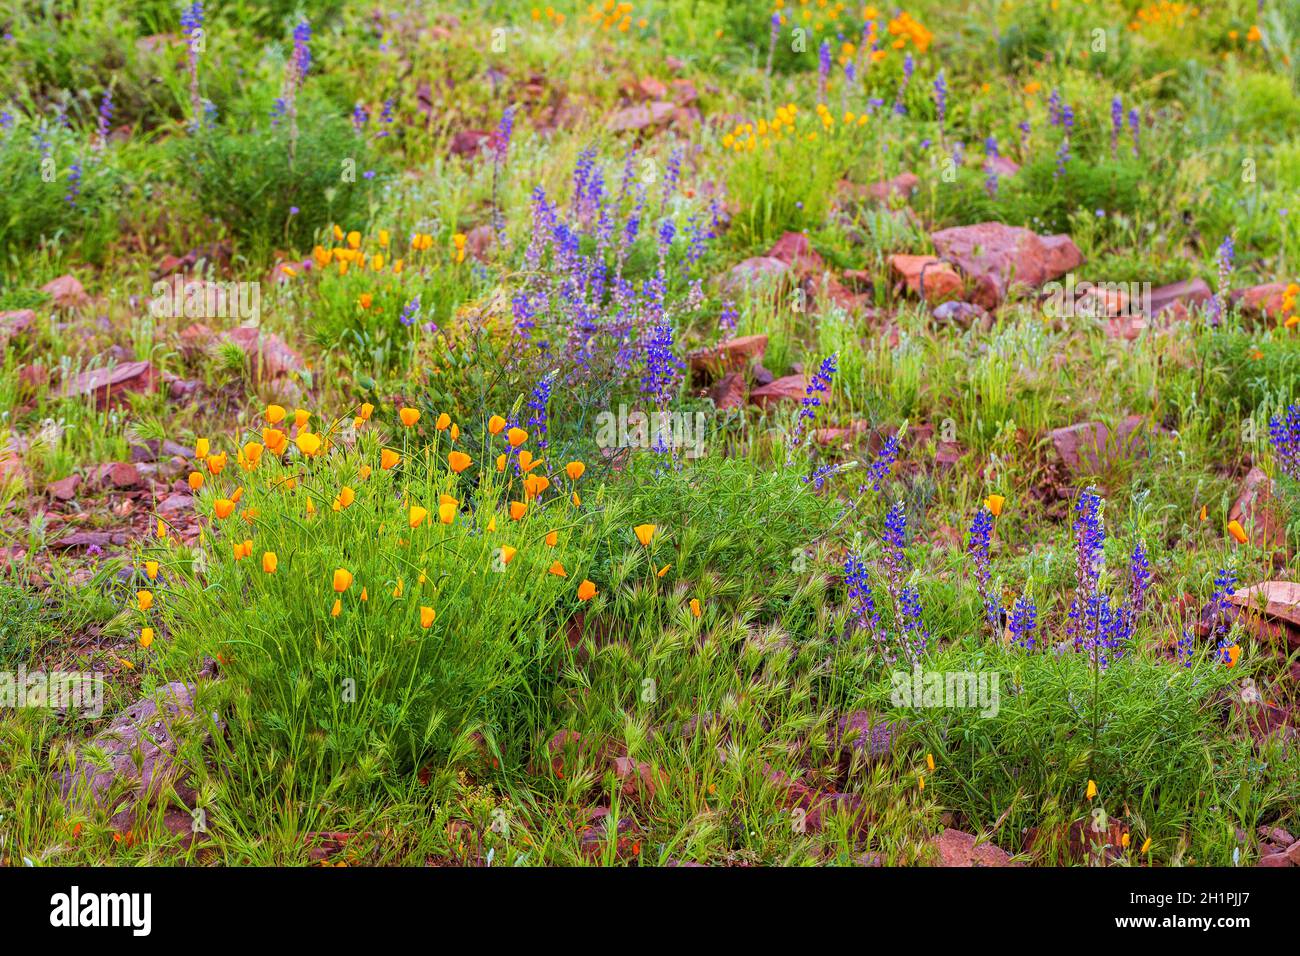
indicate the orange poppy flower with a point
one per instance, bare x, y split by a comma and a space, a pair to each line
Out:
645, 533
417, 516
196, 480
308, 443
388, 459
427, 614
557, 569
409, 416
269, 562
342, 579
586, 590
508, 553
495, 424
223, 507
458, 461
553, 538
516, 437
574, 470
444, 420
517, 510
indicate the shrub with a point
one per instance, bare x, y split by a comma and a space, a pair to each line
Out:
269, 200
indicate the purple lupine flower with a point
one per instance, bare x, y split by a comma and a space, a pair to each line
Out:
501, 138
1135, 125
912, 633
360, 117
977, 547
1023, 620
821, 382
941, 98
1116, 125
105, 116
386, 118
410, 312
661, 366
895, 560
672, 174
727, 318
1139, 579
880, 469
823, 69
771, 43
958, 154
537, 404
1024, 138
1226, 253
74, 183
1225, 582
1063, 154
1184, 650
1054, 113
192, 29
990, 166
862, 603
1284, 435
908, 66
302, 49
1089, 544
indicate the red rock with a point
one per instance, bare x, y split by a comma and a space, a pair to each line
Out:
651, 89
1265, 300
1176, 298
866, 735
637, 777
729, 392
754, 272
729, 356
138, 751
1089, 448
1005, 259
640, 117
109, 386
1274, 860
1003, 166
1276, 835
1257, 511
68, 293
12, 469
177, 503
468, 142
794, 249
269, 356
1272, 602
959, 849
478, 241
65, 489
790, 388
938, 279
901, 185
13, 324
684, 92
964, 314
117, 474
1293, 854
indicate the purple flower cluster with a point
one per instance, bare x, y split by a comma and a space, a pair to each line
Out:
1116, 125
1225, 582
1284, 435
941, 98
883, 465
981, 530
1225, 255
105, 116
861, 602
1024, 618
820, 384
909, 65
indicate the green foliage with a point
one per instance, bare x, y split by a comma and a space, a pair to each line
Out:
253, 181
